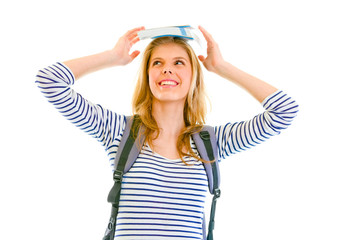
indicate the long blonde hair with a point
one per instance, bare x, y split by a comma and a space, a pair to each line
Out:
195, 104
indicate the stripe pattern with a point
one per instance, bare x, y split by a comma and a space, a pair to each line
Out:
161, 198
240, 136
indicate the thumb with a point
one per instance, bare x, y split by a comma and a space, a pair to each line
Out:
201, 58
134, 54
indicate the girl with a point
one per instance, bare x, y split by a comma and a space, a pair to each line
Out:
163, 194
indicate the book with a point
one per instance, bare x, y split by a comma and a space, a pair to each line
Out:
185, 31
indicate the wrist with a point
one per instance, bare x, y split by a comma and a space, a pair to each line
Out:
223, 68
112, 58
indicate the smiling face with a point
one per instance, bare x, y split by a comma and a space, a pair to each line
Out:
185, 88
169, 73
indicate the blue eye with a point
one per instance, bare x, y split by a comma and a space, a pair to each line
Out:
156, 63
178, 62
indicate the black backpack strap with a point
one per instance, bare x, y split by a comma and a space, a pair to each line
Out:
126, 134
128, 151
206, 145
133, 130
123, 159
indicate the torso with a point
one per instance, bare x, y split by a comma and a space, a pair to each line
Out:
162, 198
166, 147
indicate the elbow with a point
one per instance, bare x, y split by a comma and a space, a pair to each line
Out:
41, 79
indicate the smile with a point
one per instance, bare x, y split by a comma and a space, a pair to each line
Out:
168, 83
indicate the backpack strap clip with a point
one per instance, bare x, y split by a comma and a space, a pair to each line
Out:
205, 135
118, 175
217, 193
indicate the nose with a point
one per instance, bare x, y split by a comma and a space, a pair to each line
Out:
167, 70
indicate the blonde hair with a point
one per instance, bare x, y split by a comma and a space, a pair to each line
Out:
195, 104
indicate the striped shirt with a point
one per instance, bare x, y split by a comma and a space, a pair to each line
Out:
161, 198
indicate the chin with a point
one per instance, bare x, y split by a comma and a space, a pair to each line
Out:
170, 99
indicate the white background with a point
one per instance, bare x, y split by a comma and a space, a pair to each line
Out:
303, 184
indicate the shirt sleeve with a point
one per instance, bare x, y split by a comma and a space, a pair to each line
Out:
55, 83
280, 110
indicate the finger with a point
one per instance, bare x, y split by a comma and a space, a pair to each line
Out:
134, 40
134, 54
206, 34
201, 58
209, 39
136, 29
133, 32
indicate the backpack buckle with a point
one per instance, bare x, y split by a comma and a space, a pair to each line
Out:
217, 192
205, 135
118, 175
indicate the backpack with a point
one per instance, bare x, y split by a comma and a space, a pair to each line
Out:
128, 152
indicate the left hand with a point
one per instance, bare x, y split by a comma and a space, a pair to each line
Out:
121, 51
214, 59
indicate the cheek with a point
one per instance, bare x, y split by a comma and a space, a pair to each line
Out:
150, 79
153, 75
186, 77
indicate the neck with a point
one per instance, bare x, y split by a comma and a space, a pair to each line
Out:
169, 117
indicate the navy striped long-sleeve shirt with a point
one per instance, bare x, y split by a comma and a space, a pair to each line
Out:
161, 198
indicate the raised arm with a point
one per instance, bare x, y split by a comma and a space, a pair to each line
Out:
280, 109
56, 80
214, 62
118, 56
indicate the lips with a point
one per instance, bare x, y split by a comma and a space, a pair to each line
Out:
168, 83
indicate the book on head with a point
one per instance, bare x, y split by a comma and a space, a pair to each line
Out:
185, 31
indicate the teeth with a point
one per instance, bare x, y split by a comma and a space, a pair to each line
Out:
172, 83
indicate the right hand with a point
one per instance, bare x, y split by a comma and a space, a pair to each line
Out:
214, 61
123, 46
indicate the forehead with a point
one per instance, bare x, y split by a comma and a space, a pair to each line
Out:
169, 50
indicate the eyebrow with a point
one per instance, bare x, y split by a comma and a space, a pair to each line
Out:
175, 58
